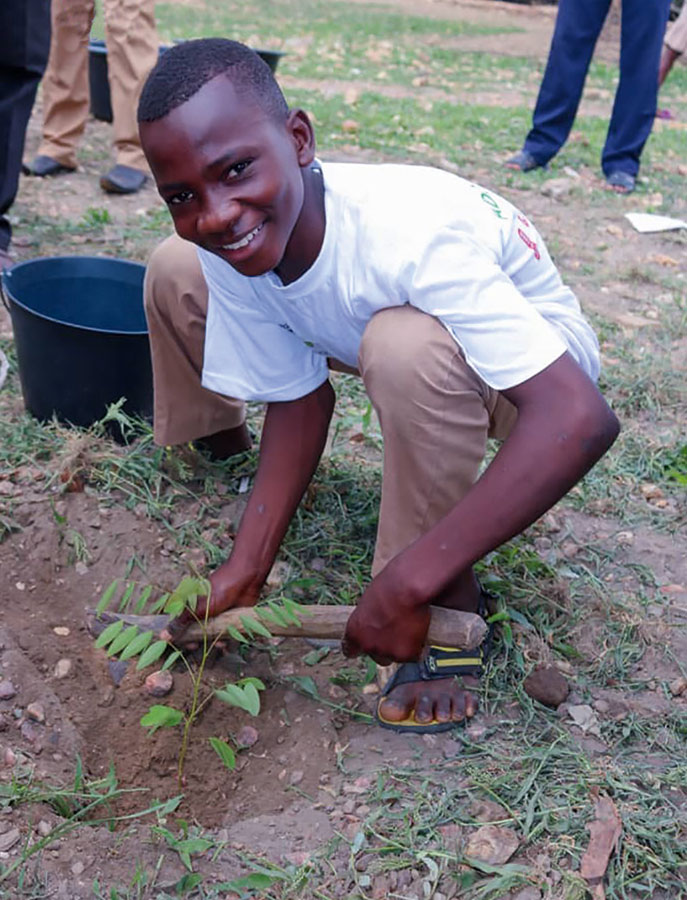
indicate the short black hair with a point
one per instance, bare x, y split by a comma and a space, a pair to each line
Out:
184, 69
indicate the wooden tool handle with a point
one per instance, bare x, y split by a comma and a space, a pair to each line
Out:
448, 627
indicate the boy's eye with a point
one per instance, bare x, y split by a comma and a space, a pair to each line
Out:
181, 197
238, 168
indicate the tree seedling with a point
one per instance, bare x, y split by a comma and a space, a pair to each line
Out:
128, 641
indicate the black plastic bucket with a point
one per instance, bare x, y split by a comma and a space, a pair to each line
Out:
81, 337
101, 103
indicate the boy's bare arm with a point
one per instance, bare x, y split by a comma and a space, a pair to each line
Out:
293, 437
564, 426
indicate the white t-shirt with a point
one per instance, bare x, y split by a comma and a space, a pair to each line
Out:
396, 234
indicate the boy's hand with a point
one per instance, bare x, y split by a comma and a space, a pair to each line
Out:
228, 590
387, 625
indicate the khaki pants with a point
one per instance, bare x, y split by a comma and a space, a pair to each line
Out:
132, 51
435, 412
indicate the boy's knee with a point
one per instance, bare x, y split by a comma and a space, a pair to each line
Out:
397, 343
173, 271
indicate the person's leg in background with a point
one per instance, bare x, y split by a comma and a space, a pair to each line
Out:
65, 88
642, 31
176, 300
132, 51
24, 47
577, 28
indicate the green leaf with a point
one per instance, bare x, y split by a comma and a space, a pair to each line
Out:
224, 751
152, 654
293, 609
251, 679
282, 616
187, 883
171, 659
126, 596
254, 626
193, 845
143, 599
138, 645
174, 606
110, 633
162, 717
252, 699
159, 604
520, 619
306, 685
106, 597
256, 881
266, 615
236, 634
122, 640
232, 695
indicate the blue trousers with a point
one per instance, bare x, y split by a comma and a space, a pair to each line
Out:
24, 48
577, 29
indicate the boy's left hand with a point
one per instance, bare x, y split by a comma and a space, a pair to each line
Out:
386, 625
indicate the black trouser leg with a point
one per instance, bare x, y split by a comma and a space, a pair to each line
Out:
24, 48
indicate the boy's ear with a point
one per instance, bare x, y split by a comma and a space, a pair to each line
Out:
303, 135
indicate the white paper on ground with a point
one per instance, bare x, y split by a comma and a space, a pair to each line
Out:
648, 222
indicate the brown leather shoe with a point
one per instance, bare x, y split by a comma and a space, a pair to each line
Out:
123, 180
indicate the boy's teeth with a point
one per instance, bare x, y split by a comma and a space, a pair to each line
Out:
244, 241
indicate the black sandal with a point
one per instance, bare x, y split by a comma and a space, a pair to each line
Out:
440, 662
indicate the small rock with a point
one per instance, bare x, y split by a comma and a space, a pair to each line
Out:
372, 688
247, 736
61, 630
118, 669
78, 868
9, 757
585, 718
557, 188
547, 685
62, 668
44, 828
678, 687
451, 748
9, 839
159, 684
36, 712
7, 690
296, 776
349, 807
32, 734
602, 706
492, 844
527, 893
488, 811
81, 569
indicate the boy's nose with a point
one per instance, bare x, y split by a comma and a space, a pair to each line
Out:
218, 216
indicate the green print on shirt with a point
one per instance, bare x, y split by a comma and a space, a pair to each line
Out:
492, 204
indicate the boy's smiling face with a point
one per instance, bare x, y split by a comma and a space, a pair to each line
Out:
232, 175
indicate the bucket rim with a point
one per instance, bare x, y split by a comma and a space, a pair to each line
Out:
6, 275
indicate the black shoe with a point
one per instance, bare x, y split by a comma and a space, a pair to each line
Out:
123, 180
523, 161
621, 182
46, 165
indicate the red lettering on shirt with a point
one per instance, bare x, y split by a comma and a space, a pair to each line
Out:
530, 243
